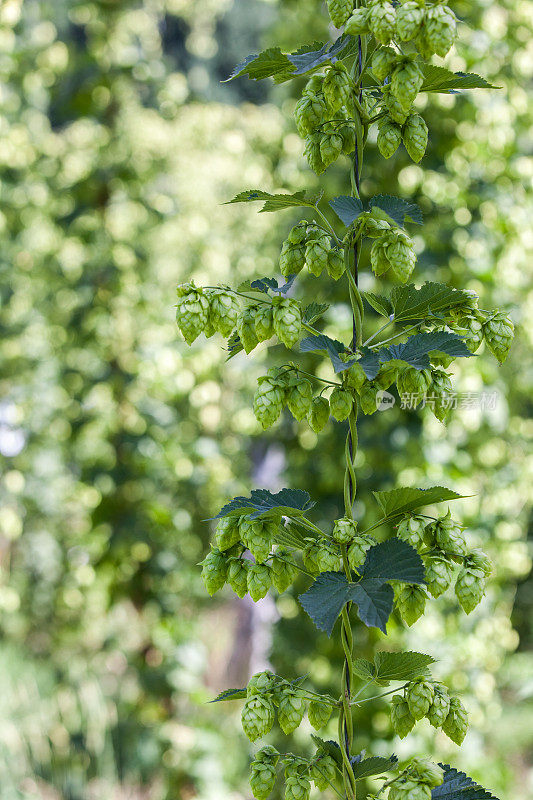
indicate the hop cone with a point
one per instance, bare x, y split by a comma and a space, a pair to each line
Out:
291, 710
337, 87
499, 334
379, 254
268, 401
339, 11
259, 581
449, 536
282, 573
318, 414
358, 22
314, 86
313, 153
419, 697
470, 588
389, 137
401, 718
383, 62
325, 559
331, 144
406, 81
287, 321
358, 549
257, 536
299, 398
411, 602
470, 328
348, 138
264, 322
192, 311
401, 255
257, 717
223, 311
262, 779
426, 771
455, 725
309, 113
477, 559
292, 258
309, 556
335, 265
227, 532
246, 328
409, 789
440, 29
260, 683
340, 403
409, 18
368, 398
412, 381
422, 43
267, 755
396, 110
411, 530
354, 377
297, 787
439, 572
440, 706
323, 771
344, 530
440, 391
316, 252
318, 714
298, 233
381, 21
238, 576
214, 571
415, 136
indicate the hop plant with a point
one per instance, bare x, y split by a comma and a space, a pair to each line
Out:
259, 581
298, 233
262, 779
318, 714
257, 717
401, 718
455, 725
313, 153
257, 535
409, 18
414, 382
409, 789
419, 697
395, 109
214, 570
470, 588
498, 332
246, 328
309, 113
340, 404
292, 257
383, 62
297, 787
323, 771
389, 137
470, 328
347, 132
415, 136
440, 29
381, 20
358, 549
331, 144
192, 311
368, 398
439, 573
426, 771
238, 576
449, 536
358, 23
309, 556
268, 400
354, 377
299, 398
477, 559
282, 573
335, 264
337, 87
227, 532
260, 683
317, 252
339, 11
291, 710
223, 311
440, 706
411, 602
440, 391
318, 414
326, 559
411, 530
287, 320
406, 81
264, 322
344, 530
401, 256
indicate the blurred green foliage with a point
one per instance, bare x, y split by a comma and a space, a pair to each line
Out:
119, 143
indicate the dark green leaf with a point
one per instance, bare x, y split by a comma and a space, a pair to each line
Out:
401, 666
314, 311
404, 500
230, 694
375, 765
346, 208
379, 303
271, 284
329, 747
313, 56
458, 786
274, 202
374, 600
325, 599
364, 669
271, 63
409, 303
397, 208
393, 560
369, 362
287, 502
415, 350
234, 345
315, 344
440, 79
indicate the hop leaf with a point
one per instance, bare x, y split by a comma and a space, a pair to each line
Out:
287, 320
259, 581
419, 697
257, 717
455, 725
214, 571
318, 414
318, 714
192, 311
291, 710
415, 136
498, 332
401, 718
340, 403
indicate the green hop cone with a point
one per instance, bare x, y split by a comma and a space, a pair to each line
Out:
382, 20
455, 725
260, 683
409, 789
470, 588
282, 574
192, 311
411, 602
470, 329
413, 383
340, 404
292, 258
498, 332
309, 113
415, 136
426, 771
344, 530
440, 706
297, 787
368, 398
287, 320
411, 530
262, 779
409, 18
419, 697
323, 771
339, 11
264, 322
440, 392
214, 570
317, 252
326, 559
299, 398
223, 311
439, 573
268, 401
401, 255
395, 109
383, 62
440, 29
309, 556
354, 377
291, 710
298, 233
246, 328
257, 717
477, 559
238, 576
337, 87
422, 43
257, 535
267, 755
259, 581
357, 24
318, 415
402, 720
378, 254
331, 144
358, 549
335, 264
389, 137
227, 532
314, 85
318, 714
209, 329
449, 536
405, 84
313, 153
347, 132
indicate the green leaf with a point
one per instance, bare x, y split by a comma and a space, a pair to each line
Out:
458, 786
315, 344
274, 202
346, 208
409, 303
328, 747
379, 303
314, 311
397, 208
374, 765
287, 502
401, 666
369, 362
440, 79
230, 694
404, 500
306, 58
416, 349
268, 64
270, 284
393, 560
234, 345
289, 536
374, 600
364, 669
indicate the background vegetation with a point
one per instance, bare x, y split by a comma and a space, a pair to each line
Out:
119, 144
